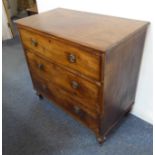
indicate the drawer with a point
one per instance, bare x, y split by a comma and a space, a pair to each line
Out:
82, 91
69, 56
60, 97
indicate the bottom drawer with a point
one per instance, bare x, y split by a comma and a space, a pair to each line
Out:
59, 97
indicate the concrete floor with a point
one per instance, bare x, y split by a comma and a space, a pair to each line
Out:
34, 127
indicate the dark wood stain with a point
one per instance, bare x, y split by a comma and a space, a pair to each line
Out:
86, 93
120, 78
88, 64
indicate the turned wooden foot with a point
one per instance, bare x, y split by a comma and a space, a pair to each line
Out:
40, 96
101, 139
128, 112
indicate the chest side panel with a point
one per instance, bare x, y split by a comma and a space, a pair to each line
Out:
122, 66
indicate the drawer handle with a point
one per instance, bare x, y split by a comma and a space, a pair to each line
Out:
77, 110
72, 58
74, 84
40, 66
34, 42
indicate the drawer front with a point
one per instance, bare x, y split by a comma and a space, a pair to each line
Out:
80, 61
60, 97
84, 92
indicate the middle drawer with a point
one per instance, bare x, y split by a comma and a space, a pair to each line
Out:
83, 91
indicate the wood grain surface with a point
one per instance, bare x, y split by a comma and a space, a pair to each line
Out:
121, 77
93, 30
63, 99
87, 64
82, 91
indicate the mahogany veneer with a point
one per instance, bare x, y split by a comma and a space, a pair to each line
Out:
88, 64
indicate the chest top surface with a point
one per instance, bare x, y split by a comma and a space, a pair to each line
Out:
100, 32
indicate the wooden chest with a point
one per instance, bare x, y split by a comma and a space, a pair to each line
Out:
88, 64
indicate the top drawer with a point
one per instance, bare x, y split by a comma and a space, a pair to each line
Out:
74, 58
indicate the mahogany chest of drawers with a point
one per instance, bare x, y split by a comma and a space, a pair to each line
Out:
86, 63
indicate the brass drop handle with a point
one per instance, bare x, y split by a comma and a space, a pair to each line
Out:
34, 42
40, 66
75, 85
77, 109
72, 58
